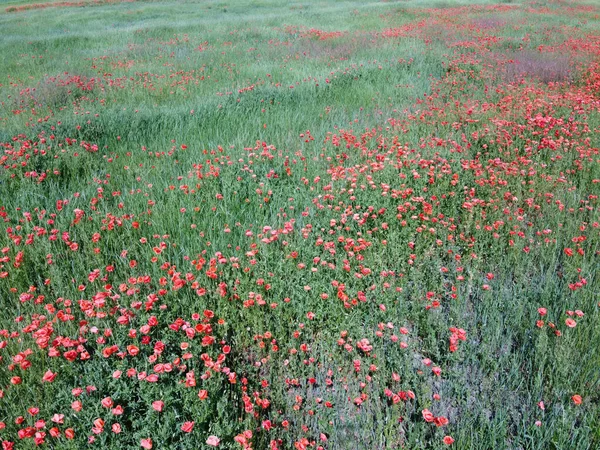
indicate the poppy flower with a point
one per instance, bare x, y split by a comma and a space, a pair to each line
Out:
213, 441
428, 415
187, 427
570, 323
440, 421
158, 405
541, 405
48, 377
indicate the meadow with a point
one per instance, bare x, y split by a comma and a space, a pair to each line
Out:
299, 225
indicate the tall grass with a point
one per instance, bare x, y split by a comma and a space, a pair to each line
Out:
336, 225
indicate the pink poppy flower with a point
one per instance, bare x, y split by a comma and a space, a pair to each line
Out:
213, 441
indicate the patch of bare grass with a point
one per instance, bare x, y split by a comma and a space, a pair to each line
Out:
545, 67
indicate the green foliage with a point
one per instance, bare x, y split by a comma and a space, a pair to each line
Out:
299, 224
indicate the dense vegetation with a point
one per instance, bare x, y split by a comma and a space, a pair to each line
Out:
306, 225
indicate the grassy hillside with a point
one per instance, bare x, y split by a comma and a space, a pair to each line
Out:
318, 224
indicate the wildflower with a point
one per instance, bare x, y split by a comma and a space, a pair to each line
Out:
187, 427
158, 405
428, 416
48, 377
213, 441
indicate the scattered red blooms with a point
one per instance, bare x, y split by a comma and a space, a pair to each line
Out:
456, 335
277, 289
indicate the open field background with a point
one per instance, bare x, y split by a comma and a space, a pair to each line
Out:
320, 224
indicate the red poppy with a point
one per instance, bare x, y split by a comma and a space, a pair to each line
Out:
187, 427
428, 415
48, 377
158, 405
213, 441
448, 440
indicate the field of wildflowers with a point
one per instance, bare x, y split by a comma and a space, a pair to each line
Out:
299, 225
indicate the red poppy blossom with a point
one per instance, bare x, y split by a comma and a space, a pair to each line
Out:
187, 427
428, 415
213, 441
570, 323
158, 405
48, 377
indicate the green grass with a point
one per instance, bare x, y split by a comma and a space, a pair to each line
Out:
316, 174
